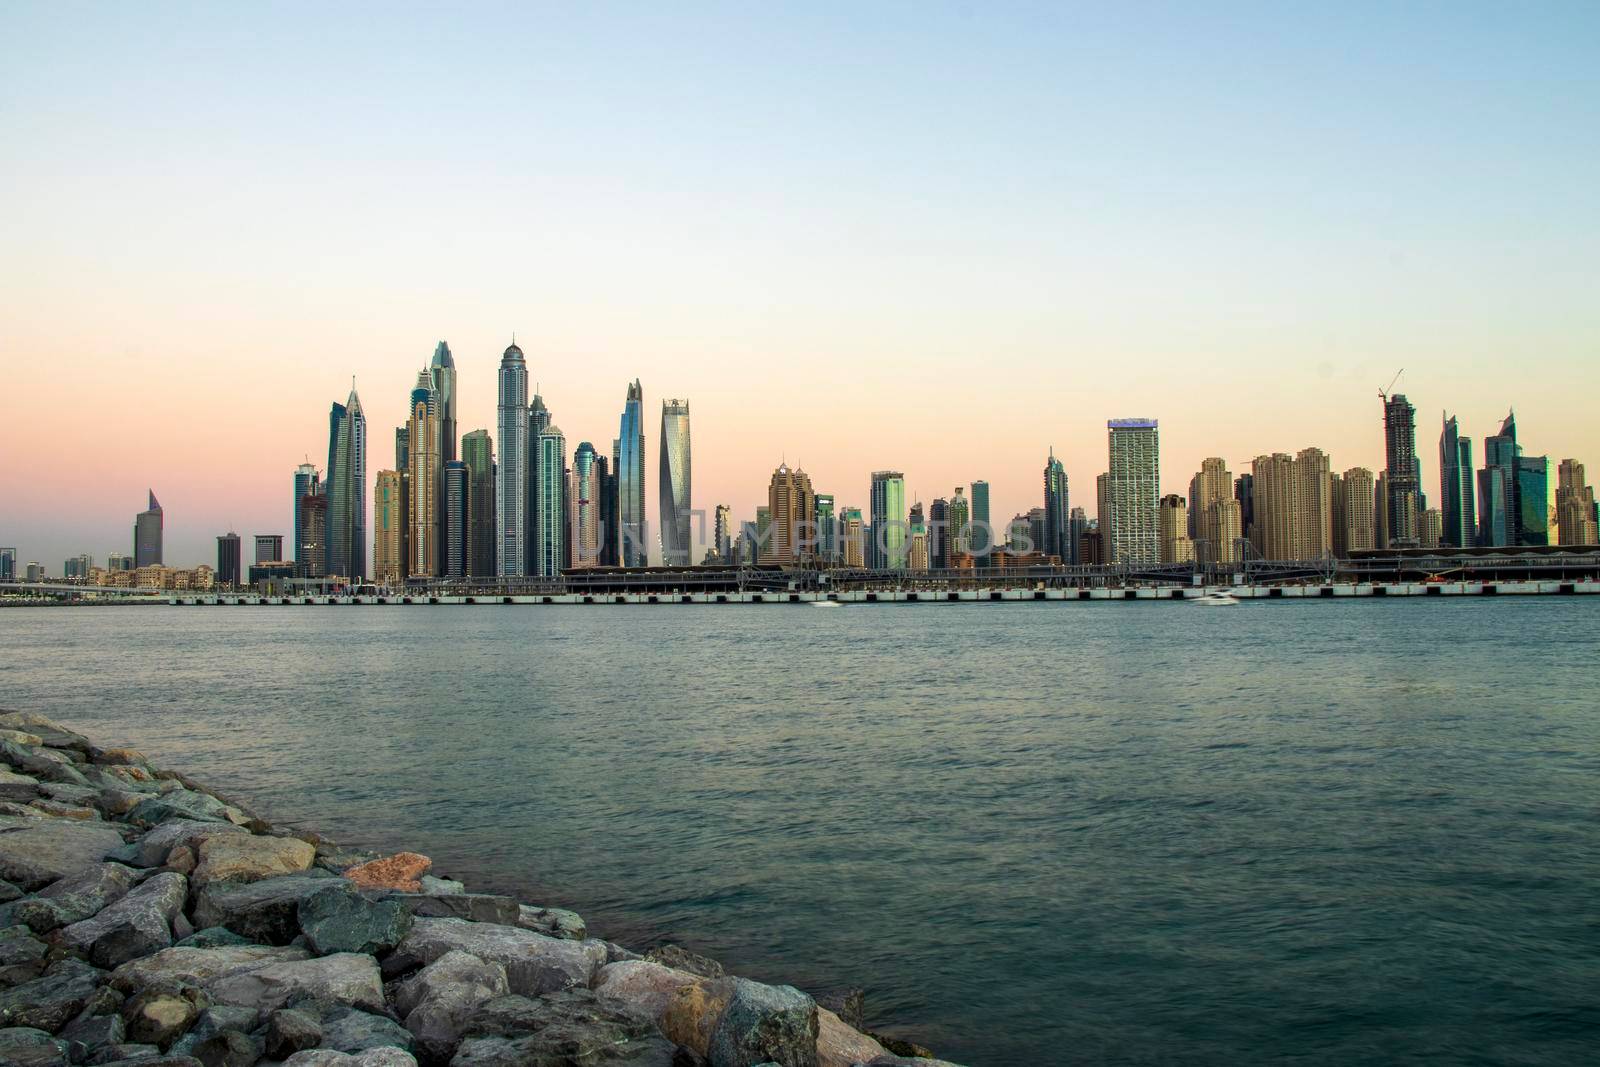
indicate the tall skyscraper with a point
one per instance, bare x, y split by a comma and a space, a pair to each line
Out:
939, 533
389, 518
917, 536
628, 450
1402, 484
347, 489
442, 379
1533, 500
1355, 526
1056, 511
230, 561
306, 484
8, 564
426, 482
1576, 516
147, 534
586, 530
889, 520
477, 452
958, 522
722, 535
1214, 514
549, 503
311, 556
1133, 483
791, 517
457, 518
677, 539
269, 548
981, 536
1077, 526
607, 479
827, 530
402, 466
855, 539
511, 475
1293, 506
1173, 516
1456, 500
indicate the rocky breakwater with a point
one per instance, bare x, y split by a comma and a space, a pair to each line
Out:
146, 919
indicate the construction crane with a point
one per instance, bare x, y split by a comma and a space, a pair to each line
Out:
1383, 394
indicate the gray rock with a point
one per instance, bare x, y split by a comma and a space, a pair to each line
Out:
617, 954
177, 804
264, 911
566, 1028
220, 1017
17, 945
40, 763
343, 978
48, 731
385, 1056
353, 1030
535, 964
227, 1048
71, 899
181, 927
474, 907
210, 937
552, 922
440, 886
96, 1031
646, 986
160, 1014
137, 925
36, 852
681, 959
142, 1058
8, 892
339, 919
179, 833
333, 858
764, 1022
18, 787
439, 1000
290, 1031
250, 858
199, 966
27, 1047
52, 1000
121, 1053
890, 1060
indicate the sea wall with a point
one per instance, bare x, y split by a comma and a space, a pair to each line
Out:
146, 919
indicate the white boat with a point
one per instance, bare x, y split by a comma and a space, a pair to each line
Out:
824, 603
1216, 599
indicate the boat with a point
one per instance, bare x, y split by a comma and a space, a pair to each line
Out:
824, 603
1217, 599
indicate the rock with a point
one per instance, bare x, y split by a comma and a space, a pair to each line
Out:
36, 852
119, 801
617, 954
220, 1017
181, 833
385, 1056
71, 899
690, 1017
8, 892
18, 945
353, 1030
41, 763
118, 756
889, 1060
96, 1031
210, 937
343, 978
19, 787
19, 737
764, 1022
849, 1004
27, 1047
137, 925
264, 911
681, 959
227, 1048
570, 1027
182, 859
247, 858
143, 1055
440, 886
398, 872
162, 1013
437, 1002
181, 927
52, 1000
57, 810
534, 963
46, 730
178, 804
337, 919
475, 907
552, 922
840, 1045
648, 987
290, 1031
334, 858
199, 966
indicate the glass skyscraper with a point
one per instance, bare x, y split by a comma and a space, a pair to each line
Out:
981, 537
549, 503
888, 510
676, 537
1057, 512
147, 527
457, 518
628, 451
1132, 492
1404, 502
347, 489
511, 475
477, 452
306, 483
1498, 510
1456, 503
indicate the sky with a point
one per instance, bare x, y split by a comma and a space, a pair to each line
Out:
938, 238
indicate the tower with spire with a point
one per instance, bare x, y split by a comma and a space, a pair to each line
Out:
346, 488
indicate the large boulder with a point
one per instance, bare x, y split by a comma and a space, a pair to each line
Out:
353, 1030
681, 959
46, 730
474, 907
290, 1031
18, 787
136, 925
158, 843
225, 1048
266, 911
43, 764
338, 919
52, 1000
383, 1056
646, 986
535, 964
71, 899
840, 1045
18, 945
343, 978
96, 1031
765, 1023
199, 966
437, 1002
570, 1027
552, 922
37, 851
27, 1047
178, 803
249, 858
160, 1014
399, 872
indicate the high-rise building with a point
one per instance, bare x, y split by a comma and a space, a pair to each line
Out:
958, 519
442, 380
722, 534
457, 518
791, 535
8, 564
609, 554
1312, 501
477, 452
511, 474
628, 452
77, 567
311, 555
939, 533
230, 560
917, 536
1132, 490
888, 509
855, 539
389, 518
422, 526
269, 548
980, 538
307, 483
1215, 516
1432, 528
1402, 483
1244, 491
677, 539
549, 503
827, 529
402, 464
1533, 500
347, 489
1293, 506
1355, 525
1077, 526
585, 532
1057, 511
147, 534
1576, 516
1497, 487
1172, 515
125, 563
1457, 509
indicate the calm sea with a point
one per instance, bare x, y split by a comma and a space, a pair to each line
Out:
1327, 832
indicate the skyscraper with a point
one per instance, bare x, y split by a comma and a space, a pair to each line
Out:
347, 489
311, 556
1173, 516
676, 537
477, 452
442, 379
1402, 484
306, 483
402, 466
723, 534
791, 516
607, 480
586, 473
269, 548
1214, 514
1293, 506
628, 449
958, 523
147, 533
1456, 501
422, 527
939, 533
980, 538
1533, 500
230, 560
854, 535
389, 518
549, 503
1056, 511
511, 475
1575, 506
8, 564
1355, 527
917, 537
457, 518
1132, 489
888, 508
827, 530
1077, 526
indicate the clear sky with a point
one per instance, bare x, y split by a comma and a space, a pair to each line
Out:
934, 237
